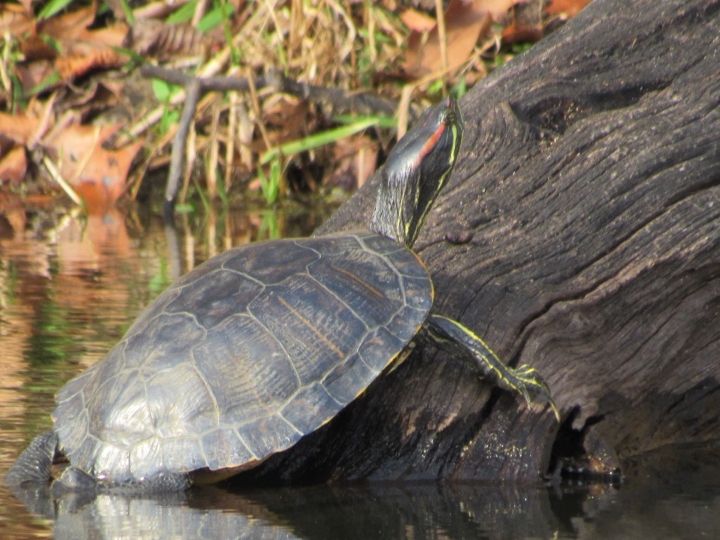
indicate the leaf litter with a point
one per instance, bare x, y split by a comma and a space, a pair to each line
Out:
74, 110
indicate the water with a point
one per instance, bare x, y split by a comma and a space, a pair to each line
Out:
70, 287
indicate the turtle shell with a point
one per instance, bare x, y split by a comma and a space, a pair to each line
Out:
243, 356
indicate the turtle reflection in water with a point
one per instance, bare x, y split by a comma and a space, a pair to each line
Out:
262, 345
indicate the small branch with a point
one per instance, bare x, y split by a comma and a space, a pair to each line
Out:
67, 188
192, 91
442, 37
339, 101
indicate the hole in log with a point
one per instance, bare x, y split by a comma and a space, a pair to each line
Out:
583, 453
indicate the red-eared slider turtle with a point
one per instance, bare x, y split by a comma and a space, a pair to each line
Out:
264, 344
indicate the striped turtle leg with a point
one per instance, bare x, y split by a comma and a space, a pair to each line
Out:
453, 338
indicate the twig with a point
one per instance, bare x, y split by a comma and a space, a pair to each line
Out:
213, 155
192, 90
442, 37
340, 101
258, 112
230, 146
67, 188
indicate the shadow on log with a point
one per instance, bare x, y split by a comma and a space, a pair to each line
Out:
580, 233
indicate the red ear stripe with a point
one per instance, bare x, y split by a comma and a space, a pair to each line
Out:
430, 144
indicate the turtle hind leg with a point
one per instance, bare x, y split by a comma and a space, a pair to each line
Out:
452, 337
33, 465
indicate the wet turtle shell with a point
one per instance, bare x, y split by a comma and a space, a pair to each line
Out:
243, 356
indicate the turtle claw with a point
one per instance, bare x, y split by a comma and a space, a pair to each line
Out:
451, 336
526, 379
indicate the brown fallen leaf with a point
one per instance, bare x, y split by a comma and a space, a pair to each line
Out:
34, 48
290, 118
15, 20
355, 161
27, 4
76, 140
162, 40
86, 56
97, 174
466, 22
110, 36
566, 7
527, 23
417, 20
81, 49
37, 73
13, 166
104, 177
286, 119
18, 127
68, 26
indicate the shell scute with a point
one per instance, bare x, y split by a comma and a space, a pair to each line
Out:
268, 435
223, 448
223, 294
316, 329
343, 382
310, 408
271, 262
246, 369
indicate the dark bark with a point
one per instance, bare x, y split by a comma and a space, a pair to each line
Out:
587, 195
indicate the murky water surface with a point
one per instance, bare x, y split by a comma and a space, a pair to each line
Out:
70, 287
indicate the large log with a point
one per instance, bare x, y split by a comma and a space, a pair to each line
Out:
580, 233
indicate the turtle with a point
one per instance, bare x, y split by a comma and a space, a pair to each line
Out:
263, 344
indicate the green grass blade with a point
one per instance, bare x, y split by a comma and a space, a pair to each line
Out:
386, 122
183, 14
215, 17
53, 7
319, 139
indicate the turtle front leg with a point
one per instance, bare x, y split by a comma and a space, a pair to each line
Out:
453, 338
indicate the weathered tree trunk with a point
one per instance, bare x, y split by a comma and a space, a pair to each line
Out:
580, 233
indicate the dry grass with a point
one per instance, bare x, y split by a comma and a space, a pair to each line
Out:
306, 63
351, 46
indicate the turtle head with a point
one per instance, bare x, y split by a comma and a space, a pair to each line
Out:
416, 171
